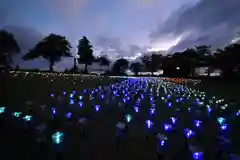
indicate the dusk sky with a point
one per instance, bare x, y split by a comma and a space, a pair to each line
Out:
124, 28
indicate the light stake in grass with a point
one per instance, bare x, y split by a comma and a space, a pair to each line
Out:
136, 109
173, 119
128, 118
149, 124
2, 110
97, 108
120, 130
54, 111
197, 123
160, 147
188, 133
68, 115
57, 137
27, 118
80, 104
152, 110
221, 120
17, 114
167, 127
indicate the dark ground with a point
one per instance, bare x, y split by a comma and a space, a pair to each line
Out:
18, 138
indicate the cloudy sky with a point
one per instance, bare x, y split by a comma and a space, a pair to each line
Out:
122, 28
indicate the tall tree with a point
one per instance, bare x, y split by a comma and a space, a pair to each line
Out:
136, 67
152, 62
120, 66
191, 59
205, 56
52, 48
228, 59
85, 53
8, 47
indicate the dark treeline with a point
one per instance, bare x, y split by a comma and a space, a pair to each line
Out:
180, 64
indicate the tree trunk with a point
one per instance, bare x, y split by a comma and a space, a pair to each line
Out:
209, 72
51, 64
86, 70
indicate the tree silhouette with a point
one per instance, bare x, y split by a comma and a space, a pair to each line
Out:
152, 62
103, 60
228, 59
85, 53
52, 48
136, 66
8, 47
120, 66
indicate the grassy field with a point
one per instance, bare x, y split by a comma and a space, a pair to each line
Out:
118, 100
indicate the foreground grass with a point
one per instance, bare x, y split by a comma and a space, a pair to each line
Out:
99, 142
227, 90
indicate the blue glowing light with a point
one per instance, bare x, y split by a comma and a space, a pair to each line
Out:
69, 115
167, 127
128, 117
27, 118
221, 120
149, 123
72, 101
173, 119
224, 127
169, 104
57, 137
2, 110
17, 114
238, 113
80, 104
188, 133
136, 109
197, 123
152, 110
54, 111
71, 95
197, 155
97, 107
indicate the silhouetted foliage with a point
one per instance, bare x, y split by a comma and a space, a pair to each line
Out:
17, 68
104, 61
152, 62
85, 53
228, 60
74, 68
120, 66
51, 48
136, 67
8, 47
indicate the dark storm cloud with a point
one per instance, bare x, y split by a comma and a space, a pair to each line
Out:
115, 47
211, 22
26, 38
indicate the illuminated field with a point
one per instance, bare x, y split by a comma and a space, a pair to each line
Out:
127, 118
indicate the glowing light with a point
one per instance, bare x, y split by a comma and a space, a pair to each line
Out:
149, 123
221, 120
57, 137
27, 118
17, 114
197, 155
2, 110
97, 107
128, 117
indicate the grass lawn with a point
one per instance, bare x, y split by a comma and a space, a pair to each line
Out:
174, 106
227, 90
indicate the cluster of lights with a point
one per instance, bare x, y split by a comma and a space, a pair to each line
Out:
175, 96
